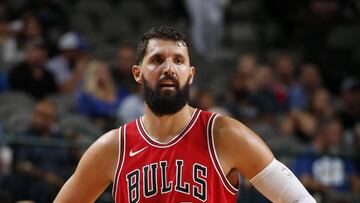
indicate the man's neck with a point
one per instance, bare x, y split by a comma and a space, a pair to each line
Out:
164, 128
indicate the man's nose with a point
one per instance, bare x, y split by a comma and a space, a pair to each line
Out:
168, 67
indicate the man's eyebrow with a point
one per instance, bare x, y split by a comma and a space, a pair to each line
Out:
161, 54
178, 55
155, 55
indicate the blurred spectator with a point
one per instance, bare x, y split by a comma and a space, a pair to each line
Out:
131, 108
321, 106
207, 18
242, 86
99, 99
350, 97
237, 100
246, 62
322, 171
43, 122
309, 82
121, 72
205, 99
15, 47
264, 98
31, 76
68, 67
300, 124
246, 68
131, 100
41, 170
284, 68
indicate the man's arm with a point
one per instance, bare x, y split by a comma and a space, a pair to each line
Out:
241, 149
76, 76
94, 172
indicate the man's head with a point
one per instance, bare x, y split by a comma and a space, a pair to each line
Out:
284, 67
247, 64
350, 93
71, 44
125, 58
163, 69
36, 54
310, 76
162, 32
43, 117
329, 134
264, 77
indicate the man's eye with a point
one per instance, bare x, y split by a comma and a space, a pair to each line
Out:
179, 61
157, 60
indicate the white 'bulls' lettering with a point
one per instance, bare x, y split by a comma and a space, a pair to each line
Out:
151, 185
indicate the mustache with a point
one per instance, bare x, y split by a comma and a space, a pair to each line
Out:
168, 77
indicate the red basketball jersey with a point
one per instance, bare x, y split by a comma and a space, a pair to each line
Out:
186, 169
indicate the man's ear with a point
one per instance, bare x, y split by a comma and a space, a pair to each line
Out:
192, 74
137, 74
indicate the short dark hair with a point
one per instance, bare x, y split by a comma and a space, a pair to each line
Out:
160, 32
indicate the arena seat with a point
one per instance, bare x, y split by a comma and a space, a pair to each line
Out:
74, 123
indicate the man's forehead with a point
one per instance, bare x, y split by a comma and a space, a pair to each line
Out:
156, 46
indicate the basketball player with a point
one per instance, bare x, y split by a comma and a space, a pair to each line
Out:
176, 153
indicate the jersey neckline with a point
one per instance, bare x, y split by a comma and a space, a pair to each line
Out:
146, 136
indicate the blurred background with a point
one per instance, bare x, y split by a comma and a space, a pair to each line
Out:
287, 69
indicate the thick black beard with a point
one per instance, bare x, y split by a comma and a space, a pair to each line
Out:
163, 103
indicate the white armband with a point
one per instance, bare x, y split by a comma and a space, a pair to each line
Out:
280, 185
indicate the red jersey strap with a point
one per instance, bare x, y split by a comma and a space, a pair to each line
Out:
176, 139
214, 157
121, 158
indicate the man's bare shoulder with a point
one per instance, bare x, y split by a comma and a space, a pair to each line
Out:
233, 136
227, 129
107, 144
236, 143
108, 141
